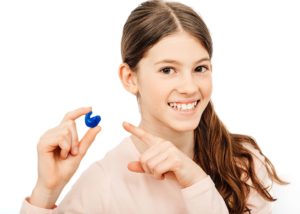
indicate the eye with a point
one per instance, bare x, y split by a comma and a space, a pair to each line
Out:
167, 70
201, 69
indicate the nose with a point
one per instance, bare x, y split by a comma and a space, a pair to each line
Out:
187, 83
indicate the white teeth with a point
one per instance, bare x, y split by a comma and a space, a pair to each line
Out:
183, 106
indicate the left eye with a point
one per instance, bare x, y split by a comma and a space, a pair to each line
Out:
201, 69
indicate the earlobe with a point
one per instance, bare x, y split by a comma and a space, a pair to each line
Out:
128, 78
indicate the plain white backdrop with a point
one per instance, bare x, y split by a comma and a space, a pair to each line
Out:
56, 56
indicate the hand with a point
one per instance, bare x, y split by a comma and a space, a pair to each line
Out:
59, 155
163, 157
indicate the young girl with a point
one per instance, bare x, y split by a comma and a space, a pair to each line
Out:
180, 158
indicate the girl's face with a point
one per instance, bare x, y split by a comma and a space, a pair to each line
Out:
174, 83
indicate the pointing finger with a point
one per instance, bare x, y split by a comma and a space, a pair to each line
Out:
141, 134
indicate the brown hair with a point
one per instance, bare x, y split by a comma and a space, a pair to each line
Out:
218, 152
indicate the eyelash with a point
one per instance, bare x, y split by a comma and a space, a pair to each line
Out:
169, 67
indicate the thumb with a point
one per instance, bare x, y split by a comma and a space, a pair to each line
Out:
135, 166
87, 140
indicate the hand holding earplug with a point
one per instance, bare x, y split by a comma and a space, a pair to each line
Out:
163, 157
59, 155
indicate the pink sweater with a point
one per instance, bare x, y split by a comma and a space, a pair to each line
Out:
107, 186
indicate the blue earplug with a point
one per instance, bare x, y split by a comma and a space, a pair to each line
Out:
92, 121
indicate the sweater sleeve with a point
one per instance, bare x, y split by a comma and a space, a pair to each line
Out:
204, 197
88, 195
28, 208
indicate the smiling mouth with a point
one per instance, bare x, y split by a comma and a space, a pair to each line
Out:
184, 106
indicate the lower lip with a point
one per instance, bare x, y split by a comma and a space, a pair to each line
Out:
186, 112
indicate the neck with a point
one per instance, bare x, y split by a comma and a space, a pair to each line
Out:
184, 141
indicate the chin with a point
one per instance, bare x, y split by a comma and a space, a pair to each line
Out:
185, 126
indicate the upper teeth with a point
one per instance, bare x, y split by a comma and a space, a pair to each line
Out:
183, 106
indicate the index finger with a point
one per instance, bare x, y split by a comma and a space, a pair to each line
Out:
73, 115
144, 136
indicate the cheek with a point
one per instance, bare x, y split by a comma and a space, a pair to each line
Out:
157, 98
206, 88
154, 88
151, 94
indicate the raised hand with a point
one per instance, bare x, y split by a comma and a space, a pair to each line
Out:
59, 155
163, 157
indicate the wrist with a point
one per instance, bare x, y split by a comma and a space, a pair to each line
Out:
43, 197
198, 176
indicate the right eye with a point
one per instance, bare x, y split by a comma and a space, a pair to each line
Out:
167, 70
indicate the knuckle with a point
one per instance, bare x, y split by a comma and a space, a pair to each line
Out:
67, 146
177, 162
171, 149
42, 141
70, 123
158, 172
68, 114
169, 144
158, 169
64, 143
151, 165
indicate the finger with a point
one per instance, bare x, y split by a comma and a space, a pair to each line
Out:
87, 140
73, 115
158, 149
71, 125
141, 134
65, 147
143, 162
155, 161
162, 168
136, 166
152, 156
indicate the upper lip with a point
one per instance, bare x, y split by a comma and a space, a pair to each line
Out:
184, 101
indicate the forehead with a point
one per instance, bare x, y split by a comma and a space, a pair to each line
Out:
180, 46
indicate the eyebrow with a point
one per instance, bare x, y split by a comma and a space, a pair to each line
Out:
178, 63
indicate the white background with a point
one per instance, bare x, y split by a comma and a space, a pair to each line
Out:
56, 56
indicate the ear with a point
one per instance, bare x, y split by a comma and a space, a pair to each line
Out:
128, 78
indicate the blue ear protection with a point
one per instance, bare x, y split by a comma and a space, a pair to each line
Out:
92, 121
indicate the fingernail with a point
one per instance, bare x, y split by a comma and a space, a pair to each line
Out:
126, 123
